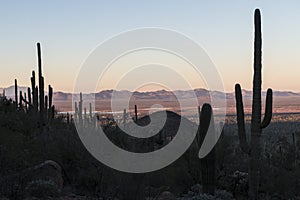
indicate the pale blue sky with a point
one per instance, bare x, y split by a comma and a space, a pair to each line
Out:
70, 30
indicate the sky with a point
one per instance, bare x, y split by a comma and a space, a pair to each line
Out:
70, 30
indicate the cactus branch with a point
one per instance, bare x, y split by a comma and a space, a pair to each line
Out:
268, 109
241, 119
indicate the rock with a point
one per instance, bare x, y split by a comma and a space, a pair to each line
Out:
44, 179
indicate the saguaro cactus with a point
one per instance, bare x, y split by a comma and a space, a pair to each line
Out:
135, 113
20, 99
91, 114
41, 104
29, 95
85, 117
124, 116
207, 164
35, 97
16, 92
80, 110
46, 105
254, 148
76, 112
50, 93
41, 85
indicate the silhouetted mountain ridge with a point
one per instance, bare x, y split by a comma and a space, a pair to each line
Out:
151, 95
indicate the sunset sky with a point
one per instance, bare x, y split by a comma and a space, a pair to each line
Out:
70, 30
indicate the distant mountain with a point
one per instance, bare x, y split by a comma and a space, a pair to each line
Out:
61, 96
10, 91
151, 95
284, 93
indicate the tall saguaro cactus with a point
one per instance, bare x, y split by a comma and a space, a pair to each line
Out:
253, 149
207, 164
41, 104
41, 85
16, 92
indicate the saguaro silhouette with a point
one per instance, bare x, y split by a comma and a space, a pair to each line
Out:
254, 149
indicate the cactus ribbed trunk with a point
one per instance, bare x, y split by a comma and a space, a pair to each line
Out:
207, 164
254, 149
41, 85
256, 111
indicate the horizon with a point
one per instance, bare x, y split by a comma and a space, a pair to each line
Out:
144, 91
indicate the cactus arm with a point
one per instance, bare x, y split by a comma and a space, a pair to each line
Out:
268, 109
33, 80
34, 92
241, 119
50, 89
26, 102
29, 94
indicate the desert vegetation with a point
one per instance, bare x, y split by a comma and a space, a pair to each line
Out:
42, 156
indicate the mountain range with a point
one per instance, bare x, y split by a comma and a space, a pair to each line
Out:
151, 95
